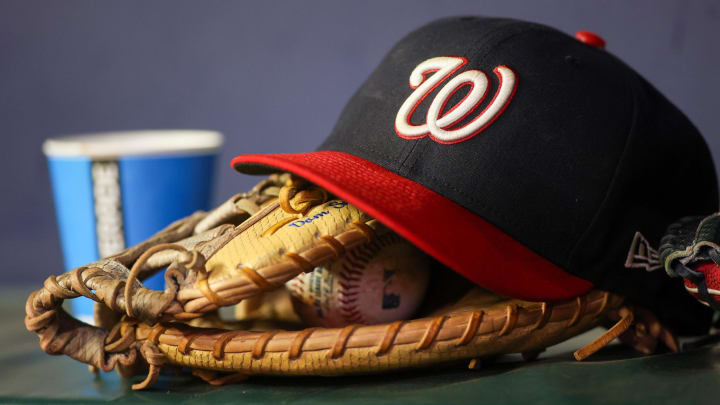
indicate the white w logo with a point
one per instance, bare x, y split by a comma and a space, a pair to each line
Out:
439, 127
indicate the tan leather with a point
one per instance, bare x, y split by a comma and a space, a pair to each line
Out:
467, 333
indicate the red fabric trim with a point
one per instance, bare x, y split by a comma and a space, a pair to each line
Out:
450, 233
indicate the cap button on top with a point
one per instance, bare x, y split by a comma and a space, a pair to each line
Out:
590, 38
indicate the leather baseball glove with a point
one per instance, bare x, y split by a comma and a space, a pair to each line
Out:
691, 250
248, 248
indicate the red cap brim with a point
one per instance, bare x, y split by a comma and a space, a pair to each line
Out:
453, 235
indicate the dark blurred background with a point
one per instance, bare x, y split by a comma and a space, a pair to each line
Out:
271, 75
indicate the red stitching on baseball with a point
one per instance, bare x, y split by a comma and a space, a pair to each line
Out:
350, 278
364, 254
358, 319
358, 258
355, 316
348, 301
347, 286
351, 270
355, 263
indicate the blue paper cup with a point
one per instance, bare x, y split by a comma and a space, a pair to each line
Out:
114, 190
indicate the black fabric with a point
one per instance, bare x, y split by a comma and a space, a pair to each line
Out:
586, 154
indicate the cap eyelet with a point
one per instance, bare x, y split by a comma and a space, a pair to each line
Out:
590, 38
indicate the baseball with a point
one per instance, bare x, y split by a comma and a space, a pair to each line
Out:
381, 281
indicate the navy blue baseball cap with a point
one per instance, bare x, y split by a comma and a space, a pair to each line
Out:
521, 157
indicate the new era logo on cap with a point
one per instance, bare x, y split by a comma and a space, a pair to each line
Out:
533, 190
